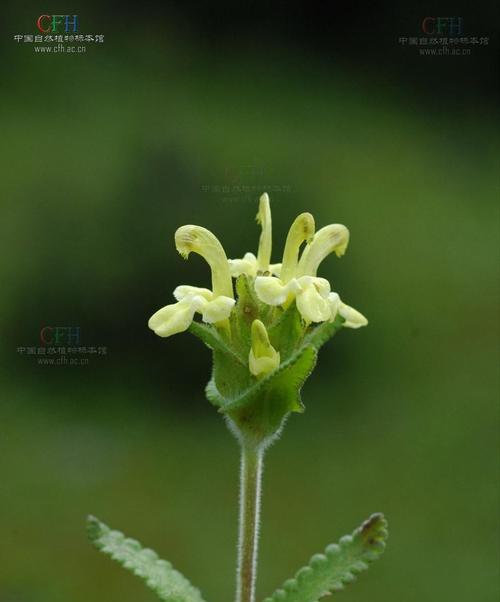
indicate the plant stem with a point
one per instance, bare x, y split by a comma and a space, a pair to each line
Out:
250, 485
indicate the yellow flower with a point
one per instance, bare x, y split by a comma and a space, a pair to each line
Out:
298, 278
275, 284
282, 290
214, 305
263, 357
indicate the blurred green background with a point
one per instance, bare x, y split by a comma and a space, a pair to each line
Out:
186, 114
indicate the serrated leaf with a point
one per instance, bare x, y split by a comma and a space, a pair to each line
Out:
159, 575
329, 572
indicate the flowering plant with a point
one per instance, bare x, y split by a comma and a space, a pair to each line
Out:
265, 342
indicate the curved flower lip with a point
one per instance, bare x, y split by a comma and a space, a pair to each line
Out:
177, 317
330, 239
215, 305
352, 317
302, 229
195, 239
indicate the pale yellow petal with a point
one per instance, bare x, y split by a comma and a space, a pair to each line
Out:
184, 290
334, 302
322, 285
272, 291
263, 358
275, 269
217, 310
262, 365
312, 305
247, 265
172, 319
265, 241
352, 317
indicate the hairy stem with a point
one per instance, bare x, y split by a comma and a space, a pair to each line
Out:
250, 485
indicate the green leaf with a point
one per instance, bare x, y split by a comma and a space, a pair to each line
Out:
329, 572
158, 574
213, 340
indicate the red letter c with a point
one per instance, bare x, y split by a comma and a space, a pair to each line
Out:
39, 23
424, 25
42, 335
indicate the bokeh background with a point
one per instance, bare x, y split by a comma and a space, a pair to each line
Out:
185, 114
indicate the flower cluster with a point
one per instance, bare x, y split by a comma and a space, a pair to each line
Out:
277, 285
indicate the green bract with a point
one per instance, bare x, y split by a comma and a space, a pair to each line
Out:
257, 407
264, 342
